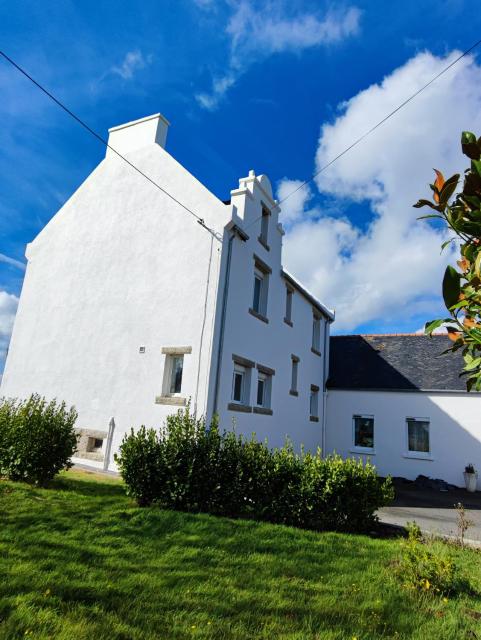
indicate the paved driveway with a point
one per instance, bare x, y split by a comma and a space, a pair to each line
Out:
434, 510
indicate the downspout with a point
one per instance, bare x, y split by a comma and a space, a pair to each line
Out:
222, 323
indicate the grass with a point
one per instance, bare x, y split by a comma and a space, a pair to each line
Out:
80, 561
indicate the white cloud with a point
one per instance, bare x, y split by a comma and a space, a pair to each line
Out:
258, 32
390, 271
8, 308
133, 61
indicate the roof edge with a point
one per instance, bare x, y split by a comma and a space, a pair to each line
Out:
327, 313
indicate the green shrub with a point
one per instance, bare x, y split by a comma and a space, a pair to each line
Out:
192, 467
427, 565
37, 439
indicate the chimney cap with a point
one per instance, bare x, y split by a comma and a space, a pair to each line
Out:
137, 134
139, 121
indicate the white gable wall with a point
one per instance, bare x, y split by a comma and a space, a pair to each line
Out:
455, 430
119, 267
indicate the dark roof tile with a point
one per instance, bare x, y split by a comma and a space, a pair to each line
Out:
407, 362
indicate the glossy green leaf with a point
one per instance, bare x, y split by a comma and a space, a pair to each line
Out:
469, 145
451, 286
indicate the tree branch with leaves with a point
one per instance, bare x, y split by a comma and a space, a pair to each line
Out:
462, 286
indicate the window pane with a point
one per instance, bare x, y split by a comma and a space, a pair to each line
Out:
260, 392
257, 294
294, 376
313, 404
264, 226
176, 378
418, 435
363, 432
288, 304
237, 390
316, 334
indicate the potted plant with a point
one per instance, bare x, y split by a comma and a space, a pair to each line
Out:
470, 477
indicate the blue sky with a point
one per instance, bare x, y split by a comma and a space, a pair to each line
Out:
279, 87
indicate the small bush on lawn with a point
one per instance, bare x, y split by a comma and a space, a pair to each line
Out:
37, 439
427, 565
191, 467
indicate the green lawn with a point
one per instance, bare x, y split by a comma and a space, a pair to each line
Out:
80, 561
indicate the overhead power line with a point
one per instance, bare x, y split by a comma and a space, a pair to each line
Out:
199, 219
381, 122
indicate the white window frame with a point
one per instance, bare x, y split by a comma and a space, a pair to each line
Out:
261, 377
168, 373
259, 275
418, 455
239, 369
357, 448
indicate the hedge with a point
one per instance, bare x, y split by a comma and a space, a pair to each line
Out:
37, 439
190, 466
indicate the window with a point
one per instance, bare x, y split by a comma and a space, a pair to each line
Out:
261, 390
363, 432
238, 383
314, 403
264, 227
418, 435
316, 334
258, 285
241, 384
288, 316
294, 372
177, 365
261, 285
173, 382
95, 445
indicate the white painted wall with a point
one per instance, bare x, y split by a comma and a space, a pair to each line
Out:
455, 430
120, 266
269, 344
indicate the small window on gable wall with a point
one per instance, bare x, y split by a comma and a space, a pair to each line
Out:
314, 402
264, 227
288, 316
294, 374
316, 333
258, 291
176, 374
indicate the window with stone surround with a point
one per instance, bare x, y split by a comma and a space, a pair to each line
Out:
173, 387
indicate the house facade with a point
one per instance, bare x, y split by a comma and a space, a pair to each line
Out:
140, 298
396, 401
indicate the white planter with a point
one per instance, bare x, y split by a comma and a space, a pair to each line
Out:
470, 480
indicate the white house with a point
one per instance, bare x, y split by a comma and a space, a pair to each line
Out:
144, 293
396, 401
141, 297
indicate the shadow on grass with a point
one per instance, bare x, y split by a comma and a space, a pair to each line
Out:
85, 552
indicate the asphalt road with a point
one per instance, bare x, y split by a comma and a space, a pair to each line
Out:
434, 510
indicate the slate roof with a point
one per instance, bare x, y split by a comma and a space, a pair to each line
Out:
404, 362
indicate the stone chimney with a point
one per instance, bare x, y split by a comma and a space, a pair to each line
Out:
137, 134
